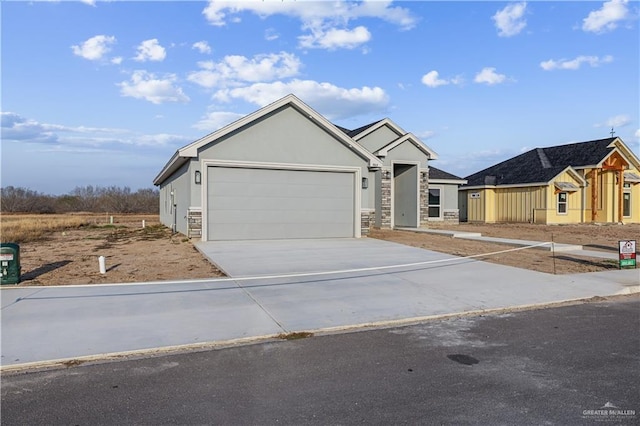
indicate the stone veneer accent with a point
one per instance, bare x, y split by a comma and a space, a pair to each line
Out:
424, 198
385, 206
367, 221
451, 216
194, 222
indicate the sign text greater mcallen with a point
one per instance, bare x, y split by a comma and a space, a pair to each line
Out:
627, 251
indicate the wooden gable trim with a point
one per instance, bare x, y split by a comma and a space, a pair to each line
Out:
627, 153
615, 161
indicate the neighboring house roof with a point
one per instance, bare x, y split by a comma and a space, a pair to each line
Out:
579, 154
437, 174
183, 154
541, 165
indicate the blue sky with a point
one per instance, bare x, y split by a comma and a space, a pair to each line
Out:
103, 93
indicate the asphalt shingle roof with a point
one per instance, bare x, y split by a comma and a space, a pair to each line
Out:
435, 173
352, 133
542, 164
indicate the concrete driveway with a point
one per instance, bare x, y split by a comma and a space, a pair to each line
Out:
279, 257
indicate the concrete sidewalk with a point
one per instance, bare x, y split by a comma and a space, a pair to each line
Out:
53, 323
574, 249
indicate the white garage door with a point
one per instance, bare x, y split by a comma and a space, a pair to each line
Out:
257, 204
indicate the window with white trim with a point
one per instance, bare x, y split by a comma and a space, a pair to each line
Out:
562, 202
626, 204
434, 203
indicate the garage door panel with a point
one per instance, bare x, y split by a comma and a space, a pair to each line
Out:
245, 203
281, 204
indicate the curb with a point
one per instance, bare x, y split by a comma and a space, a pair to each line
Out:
202, 346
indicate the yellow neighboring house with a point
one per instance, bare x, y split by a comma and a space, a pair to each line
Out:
594, 181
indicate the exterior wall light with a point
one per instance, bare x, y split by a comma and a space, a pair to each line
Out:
198, 177
365, 183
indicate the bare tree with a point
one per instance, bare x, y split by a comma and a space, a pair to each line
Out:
81, 199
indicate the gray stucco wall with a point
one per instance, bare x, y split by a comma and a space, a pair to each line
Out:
406, 152
287, 136
195, 193
175, 207
450, 198
378, 139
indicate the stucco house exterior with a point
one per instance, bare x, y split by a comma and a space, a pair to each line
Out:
442, 196
593, 181
285, 171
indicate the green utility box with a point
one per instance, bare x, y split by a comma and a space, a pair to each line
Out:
10, 263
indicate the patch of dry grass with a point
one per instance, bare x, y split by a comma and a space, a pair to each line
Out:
22, 228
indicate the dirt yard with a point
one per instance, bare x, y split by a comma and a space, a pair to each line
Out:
592, 237
134, 254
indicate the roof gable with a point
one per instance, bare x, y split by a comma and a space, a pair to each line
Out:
191, 150
411, 138
363, 131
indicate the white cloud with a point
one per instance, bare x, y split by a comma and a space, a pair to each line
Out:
145, 85
427, 134
431, 79
333, 38
63, 138
79, 139
202, 46
271, 34
89, 2
510, 20
117, 60
216, 120
574, 64
332, 101
619, 121
158, 139
235, 69
311, 13
637, 134
94, 48
150, 50
606, 18
489, 76
326, 21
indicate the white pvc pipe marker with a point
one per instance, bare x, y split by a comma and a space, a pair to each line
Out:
103, 266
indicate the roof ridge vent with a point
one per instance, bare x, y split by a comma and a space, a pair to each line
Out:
544, 160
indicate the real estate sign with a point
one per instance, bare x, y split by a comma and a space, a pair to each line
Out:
627, 252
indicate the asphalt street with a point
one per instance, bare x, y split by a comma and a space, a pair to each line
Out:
571, 365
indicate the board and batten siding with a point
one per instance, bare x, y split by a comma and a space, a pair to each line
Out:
476, 205
519, 204
574, 202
